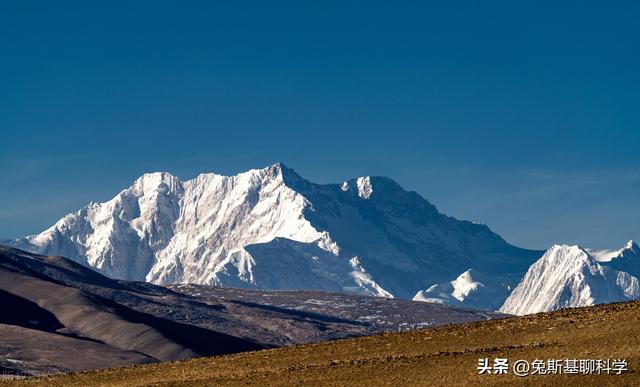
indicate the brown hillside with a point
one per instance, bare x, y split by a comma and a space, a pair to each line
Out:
441, 356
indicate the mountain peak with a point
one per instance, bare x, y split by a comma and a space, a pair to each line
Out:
278, 167
252, 177
277, 170
609, 255
156, 176
565, 247
568, 253
631, 246
570, 276
157, 181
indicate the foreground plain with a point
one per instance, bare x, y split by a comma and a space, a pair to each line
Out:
438, 356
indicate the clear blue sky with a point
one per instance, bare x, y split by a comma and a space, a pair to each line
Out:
521, 115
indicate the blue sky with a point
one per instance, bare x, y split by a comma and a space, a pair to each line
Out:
521, 116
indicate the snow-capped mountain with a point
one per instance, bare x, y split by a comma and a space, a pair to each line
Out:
471, 289
271, 229
570, 276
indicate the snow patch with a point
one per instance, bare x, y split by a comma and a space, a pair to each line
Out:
364, 187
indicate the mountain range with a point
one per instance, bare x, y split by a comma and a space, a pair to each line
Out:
271, 229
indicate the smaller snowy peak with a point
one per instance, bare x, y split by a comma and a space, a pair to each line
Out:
627, 259
555, 281
471, 289
459, 288
569, 276
608, 255
472, 280
466, 283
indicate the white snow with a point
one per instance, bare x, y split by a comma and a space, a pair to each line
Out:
364, 187
471, 289
608, 255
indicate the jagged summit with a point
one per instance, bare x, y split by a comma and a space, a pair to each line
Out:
277, 170
270, 228
155, 178
607, 255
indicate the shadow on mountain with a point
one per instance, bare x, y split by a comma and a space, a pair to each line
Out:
33, 288
203, 342
26, 313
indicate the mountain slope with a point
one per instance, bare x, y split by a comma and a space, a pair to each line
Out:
53, 305
253, 230
568, 276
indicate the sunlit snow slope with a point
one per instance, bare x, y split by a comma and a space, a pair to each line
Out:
570, 276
